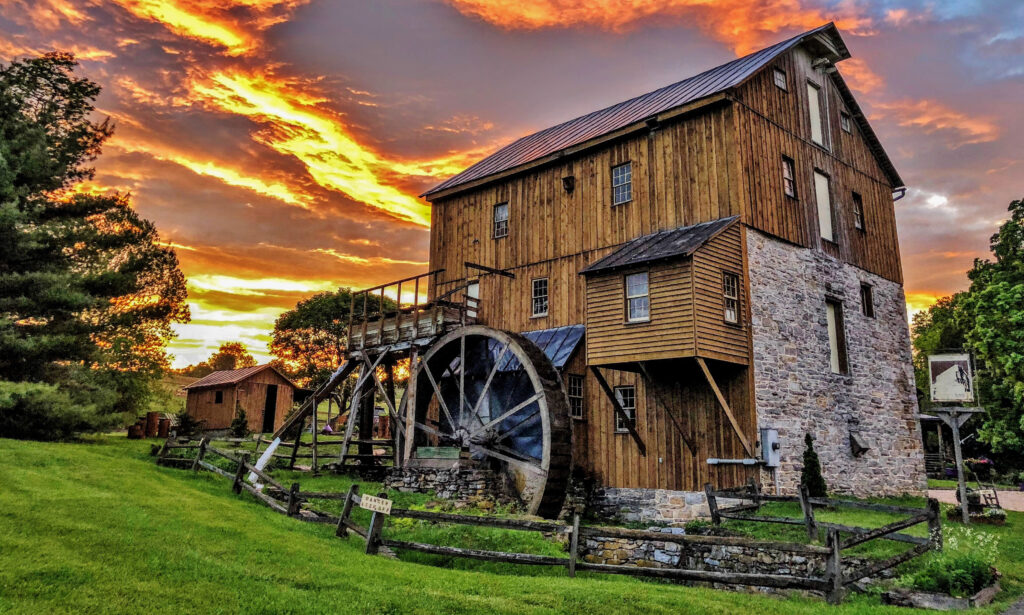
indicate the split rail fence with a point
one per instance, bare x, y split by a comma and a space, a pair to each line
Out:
292, 500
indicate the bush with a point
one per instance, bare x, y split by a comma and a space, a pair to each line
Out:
963, 568
38, 411
187, 425
810, 475
240, 424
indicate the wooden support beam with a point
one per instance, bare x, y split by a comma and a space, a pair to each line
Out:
507, 274
628, 422
657, 400
725, 407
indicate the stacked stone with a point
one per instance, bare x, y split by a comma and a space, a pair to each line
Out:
454, 483
654, 505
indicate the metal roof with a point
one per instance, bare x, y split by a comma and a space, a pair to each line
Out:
233, 376
599, 123
558, 343
674, 243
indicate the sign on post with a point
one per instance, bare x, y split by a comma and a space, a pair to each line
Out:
375, 504
951, 377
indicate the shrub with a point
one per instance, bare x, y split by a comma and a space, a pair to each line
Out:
696, 526
240, 424
38, 411
963, 568
810, 475
187, 425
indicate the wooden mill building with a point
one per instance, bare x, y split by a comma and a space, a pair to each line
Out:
729, 244
262, 391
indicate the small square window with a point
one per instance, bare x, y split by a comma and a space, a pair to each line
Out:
540, 297
858, 211
574, 389
844, 122
218, 397
622, 183
638, 306
501, 220
780, 79
788, 177
731, 298
867, 300
627, 400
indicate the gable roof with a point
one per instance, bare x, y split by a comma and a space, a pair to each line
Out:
675, 243
559, 343
718, 80
227, 377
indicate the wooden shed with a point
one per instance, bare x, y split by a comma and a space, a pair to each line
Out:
262, 391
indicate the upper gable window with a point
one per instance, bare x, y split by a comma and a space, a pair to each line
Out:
779, 76
844, 122
858, 211
788, 177
501, 220
539, 298
814, 106
731, 298
622, 183
638, 304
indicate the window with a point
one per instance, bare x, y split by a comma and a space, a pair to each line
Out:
858, 211
622, 183
788, 177
867, 301
218, 397
814, 106
574, 387
731, 297
780, 78
627, 399
844, 122
824, 198
540, 297
836, 336
638, 306
501, 220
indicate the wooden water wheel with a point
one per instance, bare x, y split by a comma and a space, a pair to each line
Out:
496, 397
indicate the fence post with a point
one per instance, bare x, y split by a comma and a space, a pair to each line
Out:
373, 532
574, 544
163, 452
808, 510
935, 524
293, 500
755, 491
239, 472
199, 455
346, 510
833, 568
712, 504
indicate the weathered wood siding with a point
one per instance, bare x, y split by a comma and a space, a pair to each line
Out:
201, 405
250, 394
715, 338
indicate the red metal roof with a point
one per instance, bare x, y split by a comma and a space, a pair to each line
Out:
599, 123
233, 376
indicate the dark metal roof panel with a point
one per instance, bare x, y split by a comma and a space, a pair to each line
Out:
558, 343
610, 119
674, 243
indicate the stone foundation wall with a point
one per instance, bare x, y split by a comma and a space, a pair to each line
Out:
795, 389
454, 483
653, 505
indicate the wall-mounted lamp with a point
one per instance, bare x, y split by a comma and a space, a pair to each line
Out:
569, 183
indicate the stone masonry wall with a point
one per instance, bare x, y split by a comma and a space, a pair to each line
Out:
795, 389
653, 505
455, 483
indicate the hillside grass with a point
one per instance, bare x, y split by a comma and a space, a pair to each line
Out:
97, 527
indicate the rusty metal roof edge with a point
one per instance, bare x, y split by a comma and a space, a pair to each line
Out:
255, 369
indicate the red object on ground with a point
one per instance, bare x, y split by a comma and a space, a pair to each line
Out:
135, 432
163, 427
152, 424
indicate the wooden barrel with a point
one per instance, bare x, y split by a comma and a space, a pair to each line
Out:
135, 432
163, 427
152, 424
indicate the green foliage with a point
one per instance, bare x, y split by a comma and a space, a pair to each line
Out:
697, 526
810, 475
964, 567
232, 355
39, 411
188, 425
937, 329
240, 424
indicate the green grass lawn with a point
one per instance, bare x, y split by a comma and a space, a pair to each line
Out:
97, 527
941, 483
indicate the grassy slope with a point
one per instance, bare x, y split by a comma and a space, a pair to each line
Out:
97, 527
941, 483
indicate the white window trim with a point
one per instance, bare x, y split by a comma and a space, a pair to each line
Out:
534, 296
625, 183
630, 411
647, 295
776, 71
495, 221
726, 298
581, 397
789, 165
823, 201
816, 108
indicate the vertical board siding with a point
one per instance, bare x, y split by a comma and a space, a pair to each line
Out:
250, 395
717, 339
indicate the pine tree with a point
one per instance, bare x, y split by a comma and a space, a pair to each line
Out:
810, 475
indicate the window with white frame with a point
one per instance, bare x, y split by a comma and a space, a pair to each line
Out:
788, 177
858, 211
627, 401
539, 297
501, 220
731, 297
823, 195
574, 388
814, 106
622, 183
844, 122
780, 79
638, 304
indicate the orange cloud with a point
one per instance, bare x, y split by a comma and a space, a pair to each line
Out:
860, 77
743, 25
933, 116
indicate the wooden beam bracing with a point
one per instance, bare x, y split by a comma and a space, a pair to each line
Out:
725, 407
628, 422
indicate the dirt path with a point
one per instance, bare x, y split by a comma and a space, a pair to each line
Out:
1011, 500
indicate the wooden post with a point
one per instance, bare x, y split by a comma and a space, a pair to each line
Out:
935, 524
712, 505
163, 451
574, 544
373, 532
346, 510
293, 500
961, 481
808, 510
199, 455
239, 472
295, 447
313, 431
366, 417
410, 408
834, 568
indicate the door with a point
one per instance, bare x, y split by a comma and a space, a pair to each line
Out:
472, 298
270, 409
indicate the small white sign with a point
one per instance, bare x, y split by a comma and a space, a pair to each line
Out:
951, 377
375, 504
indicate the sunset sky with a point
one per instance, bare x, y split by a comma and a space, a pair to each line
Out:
279, 145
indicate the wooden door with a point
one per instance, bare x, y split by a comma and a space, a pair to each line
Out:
270, 409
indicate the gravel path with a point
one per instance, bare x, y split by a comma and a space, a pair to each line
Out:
1011, 500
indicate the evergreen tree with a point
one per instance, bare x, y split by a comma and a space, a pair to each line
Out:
240, 424
810, 475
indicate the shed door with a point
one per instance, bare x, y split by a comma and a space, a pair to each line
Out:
270, 409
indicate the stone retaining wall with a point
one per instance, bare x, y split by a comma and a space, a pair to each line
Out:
653, 505
454, 483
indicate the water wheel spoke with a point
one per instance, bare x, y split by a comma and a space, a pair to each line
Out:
487, 383
440, 398
509, 413
523, 424
431, 430
514, 461
462, 379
